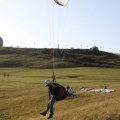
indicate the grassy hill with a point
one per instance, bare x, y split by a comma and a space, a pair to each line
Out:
23, 94
60, 58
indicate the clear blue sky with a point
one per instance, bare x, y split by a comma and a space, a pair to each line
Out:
44, 24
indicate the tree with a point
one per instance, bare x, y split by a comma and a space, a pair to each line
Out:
94, 48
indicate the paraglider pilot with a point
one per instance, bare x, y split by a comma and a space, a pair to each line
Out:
53, 78
52, 89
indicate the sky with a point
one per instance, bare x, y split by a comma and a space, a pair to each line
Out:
44, 24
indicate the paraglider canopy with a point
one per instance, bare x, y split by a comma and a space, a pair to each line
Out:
1, 42
61, 2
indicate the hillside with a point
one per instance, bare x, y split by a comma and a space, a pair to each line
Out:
43, 58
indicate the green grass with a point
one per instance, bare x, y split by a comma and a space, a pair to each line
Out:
23, 94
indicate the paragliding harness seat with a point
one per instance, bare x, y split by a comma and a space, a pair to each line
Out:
61, 92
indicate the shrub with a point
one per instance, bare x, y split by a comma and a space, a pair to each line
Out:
86, 59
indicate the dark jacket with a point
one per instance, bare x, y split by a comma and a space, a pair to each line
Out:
53, 90
59, 91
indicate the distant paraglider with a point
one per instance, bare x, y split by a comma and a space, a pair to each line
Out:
1, 42
61, 2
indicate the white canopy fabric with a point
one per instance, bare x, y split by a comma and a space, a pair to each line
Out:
61, 2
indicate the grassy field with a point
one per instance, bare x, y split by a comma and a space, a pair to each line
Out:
23, 94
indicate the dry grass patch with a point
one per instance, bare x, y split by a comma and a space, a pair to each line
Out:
23, 95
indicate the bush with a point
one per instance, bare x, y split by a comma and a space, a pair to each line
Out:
46, 51
10, 64
86, 59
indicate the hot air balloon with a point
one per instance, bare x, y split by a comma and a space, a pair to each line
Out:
61, 2
1, 42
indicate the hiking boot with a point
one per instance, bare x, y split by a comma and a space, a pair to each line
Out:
50, 117
44, 113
